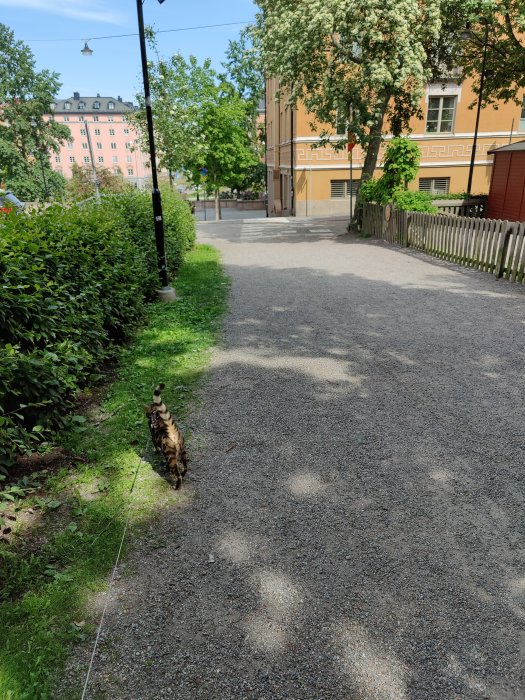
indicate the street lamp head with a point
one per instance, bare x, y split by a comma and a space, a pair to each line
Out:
86, 51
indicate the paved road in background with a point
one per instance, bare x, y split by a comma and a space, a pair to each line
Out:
358, 465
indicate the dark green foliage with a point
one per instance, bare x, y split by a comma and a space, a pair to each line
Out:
74, 283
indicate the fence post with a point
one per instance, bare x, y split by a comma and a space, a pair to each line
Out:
501, 250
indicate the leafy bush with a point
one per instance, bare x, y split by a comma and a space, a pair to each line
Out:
457, 195
74, 282
413, 201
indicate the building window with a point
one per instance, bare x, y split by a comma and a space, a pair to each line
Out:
81, 105
71, 159
70, 144
96, 104
67, 105
57, 159
82, 132
113, 146
112, 132
129, 159
53, 105
97, 132
101, 159
126, 131
340, 189
66, 118
95, 118
434, 185
130, 171
110, 119
115, 159
86, 159
440, 117
81, 118
58, 170
111, 105
85, 146
99, 146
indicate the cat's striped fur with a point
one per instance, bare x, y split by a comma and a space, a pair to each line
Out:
167, 437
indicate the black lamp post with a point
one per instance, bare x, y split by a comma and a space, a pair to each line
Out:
478, 112
167, 293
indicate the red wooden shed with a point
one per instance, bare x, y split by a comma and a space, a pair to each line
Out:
507, 186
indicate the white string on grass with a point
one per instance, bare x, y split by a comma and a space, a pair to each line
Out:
99, 630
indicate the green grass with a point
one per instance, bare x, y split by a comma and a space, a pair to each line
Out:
69, 527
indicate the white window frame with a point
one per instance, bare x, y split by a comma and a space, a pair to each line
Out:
440, 108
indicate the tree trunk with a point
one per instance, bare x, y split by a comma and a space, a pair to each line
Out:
372, 153
218, 216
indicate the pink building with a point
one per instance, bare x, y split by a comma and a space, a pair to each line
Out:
101, 121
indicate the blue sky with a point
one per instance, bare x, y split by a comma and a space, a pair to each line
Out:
114, 67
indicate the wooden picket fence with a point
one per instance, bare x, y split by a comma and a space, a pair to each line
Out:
490, 245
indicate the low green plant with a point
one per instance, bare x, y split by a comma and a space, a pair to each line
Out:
413, 201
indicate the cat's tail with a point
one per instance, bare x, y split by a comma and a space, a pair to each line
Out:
160, 406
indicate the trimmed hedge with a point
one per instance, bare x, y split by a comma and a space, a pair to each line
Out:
73, 284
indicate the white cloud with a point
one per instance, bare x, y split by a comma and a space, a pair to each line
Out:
92, 10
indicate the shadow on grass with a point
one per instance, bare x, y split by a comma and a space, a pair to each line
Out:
56, 568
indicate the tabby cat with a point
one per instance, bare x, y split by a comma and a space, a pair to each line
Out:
167, 437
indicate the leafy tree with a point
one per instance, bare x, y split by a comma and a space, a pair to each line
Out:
466, 25
244, 66
201, 121
81, 185
178, 90
230, 150
26, 138
364, 61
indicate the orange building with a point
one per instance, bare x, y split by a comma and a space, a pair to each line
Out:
307, 181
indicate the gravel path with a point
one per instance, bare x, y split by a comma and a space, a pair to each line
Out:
355, 519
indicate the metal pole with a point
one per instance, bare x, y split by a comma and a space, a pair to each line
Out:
480, 100
351, 187
93, 168
155, 192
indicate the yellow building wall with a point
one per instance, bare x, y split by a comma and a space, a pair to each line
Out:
443, 155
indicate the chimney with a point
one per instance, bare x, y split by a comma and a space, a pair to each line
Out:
119, 99
76, 96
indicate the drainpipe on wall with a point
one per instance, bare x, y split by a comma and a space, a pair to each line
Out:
292, 183
266, 142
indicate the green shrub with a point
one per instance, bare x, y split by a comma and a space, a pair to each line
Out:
74, 283
413, 201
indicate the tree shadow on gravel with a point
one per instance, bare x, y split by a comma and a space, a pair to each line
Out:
358, 530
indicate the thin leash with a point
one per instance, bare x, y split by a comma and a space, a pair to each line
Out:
99, 630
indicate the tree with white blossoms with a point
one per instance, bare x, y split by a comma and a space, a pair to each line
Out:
364, 62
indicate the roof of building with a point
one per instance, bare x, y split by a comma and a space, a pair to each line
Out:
518, 146
78, 103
